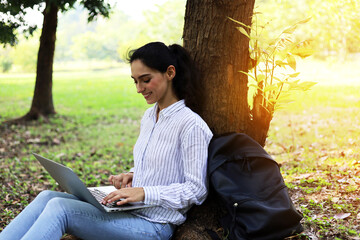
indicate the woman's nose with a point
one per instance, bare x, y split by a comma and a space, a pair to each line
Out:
139, 88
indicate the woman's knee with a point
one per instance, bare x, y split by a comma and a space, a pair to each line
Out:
63, 206
56, 204
45, 195
57, 209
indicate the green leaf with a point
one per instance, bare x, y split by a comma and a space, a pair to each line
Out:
285, 41
304, 21
255, 86
290, 30
248, 74
260, 78
273, 100
279, 106
280, 63
270, 88
285, 96
303, 49
306, 85
291, 61
278, 79
281, 53
285, 100
243, 31
294, 85
303, 52
294, 75
242, 24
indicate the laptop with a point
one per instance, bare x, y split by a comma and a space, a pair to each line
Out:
72, 184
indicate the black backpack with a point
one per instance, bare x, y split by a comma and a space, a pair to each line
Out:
250, 186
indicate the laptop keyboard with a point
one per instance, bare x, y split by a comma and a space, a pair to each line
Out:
100, 195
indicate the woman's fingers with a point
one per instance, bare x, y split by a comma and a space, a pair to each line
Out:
125, 195
127, 180
122, 180
116, 180
116, 198
112, 197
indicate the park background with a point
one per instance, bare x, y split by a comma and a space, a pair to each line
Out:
315, 137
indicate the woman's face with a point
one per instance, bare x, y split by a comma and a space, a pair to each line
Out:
154, 85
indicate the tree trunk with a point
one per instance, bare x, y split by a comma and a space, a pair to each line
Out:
42, 103
220, 52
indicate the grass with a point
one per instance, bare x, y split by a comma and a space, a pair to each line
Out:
315, 139
94, 132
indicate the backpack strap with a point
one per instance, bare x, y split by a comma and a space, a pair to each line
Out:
216, 163
237, 143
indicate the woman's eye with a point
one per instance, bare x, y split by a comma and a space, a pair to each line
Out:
147, 80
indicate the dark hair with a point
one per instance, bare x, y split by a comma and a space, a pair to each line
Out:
158, 56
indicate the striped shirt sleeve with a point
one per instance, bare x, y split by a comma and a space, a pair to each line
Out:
194, 189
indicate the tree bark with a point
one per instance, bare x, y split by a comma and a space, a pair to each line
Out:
42, 103
220, 52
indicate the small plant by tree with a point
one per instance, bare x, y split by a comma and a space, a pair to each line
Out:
272, 75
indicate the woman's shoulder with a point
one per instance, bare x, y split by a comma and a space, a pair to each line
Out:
150, 111
192, 116
192, 119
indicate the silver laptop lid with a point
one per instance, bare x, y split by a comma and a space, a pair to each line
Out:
68, 180
72, 184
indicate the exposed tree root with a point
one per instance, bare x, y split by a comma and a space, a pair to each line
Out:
200, 220
30, 116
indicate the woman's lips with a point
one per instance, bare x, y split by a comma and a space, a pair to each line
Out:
146, 96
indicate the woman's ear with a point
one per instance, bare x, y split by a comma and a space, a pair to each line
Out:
170, 72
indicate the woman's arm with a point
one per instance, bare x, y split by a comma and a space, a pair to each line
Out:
194, 151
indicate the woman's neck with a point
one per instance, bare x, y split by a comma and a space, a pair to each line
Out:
161, 107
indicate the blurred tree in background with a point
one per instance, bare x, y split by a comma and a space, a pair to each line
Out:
111, 38
25, 55
334, 26
5, 59
338, 26
12, 21
105, 39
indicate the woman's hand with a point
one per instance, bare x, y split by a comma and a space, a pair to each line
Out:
122, 180
126, 195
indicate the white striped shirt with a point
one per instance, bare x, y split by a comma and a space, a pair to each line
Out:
170, 162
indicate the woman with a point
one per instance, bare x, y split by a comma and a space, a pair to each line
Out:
170, 161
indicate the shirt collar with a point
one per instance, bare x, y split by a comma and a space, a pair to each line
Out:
170, 110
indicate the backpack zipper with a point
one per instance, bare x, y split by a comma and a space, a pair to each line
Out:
235, 205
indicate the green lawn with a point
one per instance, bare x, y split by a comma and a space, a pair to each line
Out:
315, 139
94, 131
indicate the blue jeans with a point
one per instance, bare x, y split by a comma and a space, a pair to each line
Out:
52, 214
